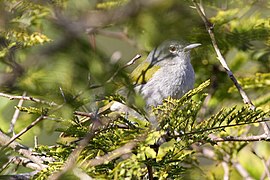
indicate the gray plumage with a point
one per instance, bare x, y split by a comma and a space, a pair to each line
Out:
174, 77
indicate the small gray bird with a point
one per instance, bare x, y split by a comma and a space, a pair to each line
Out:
167, 72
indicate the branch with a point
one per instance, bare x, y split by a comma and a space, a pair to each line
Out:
23, 176
21, 149
221, 127
25, 162
125, 149
72, 158
209, 153
241, 170
263, 137
117, 35
265, 164
131, 62
150, 172
28, 98
226, 169
40, 118
85, 114
266, 171
15, 116
81, 174
210, 27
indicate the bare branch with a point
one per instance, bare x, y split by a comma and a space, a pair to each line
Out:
23, 176
131, 62
206, 152
40, 118
263, 137
81, 174
150, 172
241, 170
27, 98
224, 126
266, 171
209, 153
21, 149
226, 168
210, 27
25, 162
85, 114
127, 148
4, 166
15, 116
265, 164
71, 160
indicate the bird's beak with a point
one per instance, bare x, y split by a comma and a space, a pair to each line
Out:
191, 46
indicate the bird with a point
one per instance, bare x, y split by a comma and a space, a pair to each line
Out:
166, 72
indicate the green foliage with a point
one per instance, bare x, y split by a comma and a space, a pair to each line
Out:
178, 122
33, 110
183, 112
260, 80
168, 162
108, 4
24, 39
26, 18
26, 13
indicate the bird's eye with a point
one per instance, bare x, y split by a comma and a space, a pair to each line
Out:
172, 48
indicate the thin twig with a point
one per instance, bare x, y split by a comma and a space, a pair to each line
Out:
25, 162
85, 114
226, 168
23, 176
35, 141
222, 127
27, 98
71, 160
210, 27
81, 174
132, 61
263, 137
150, 172
125, 149
242, 170
226, 159
4, 166
209, 153
16, 115
40, 118
113, 34
266, 171
23, 150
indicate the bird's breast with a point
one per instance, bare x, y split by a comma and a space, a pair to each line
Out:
169, 81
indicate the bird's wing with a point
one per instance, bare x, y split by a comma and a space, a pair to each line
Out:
142, 73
